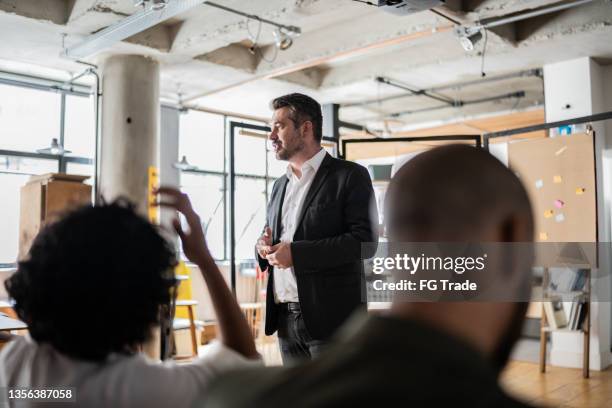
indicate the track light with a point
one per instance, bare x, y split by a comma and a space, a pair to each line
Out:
468, 37
184, 164
283, 40
155, 4
55, 148
152, 13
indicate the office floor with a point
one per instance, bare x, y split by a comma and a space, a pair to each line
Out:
558, 387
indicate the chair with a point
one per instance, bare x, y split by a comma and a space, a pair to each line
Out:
189, 323
253, 314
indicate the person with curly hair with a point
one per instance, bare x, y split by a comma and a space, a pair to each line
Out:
90, 291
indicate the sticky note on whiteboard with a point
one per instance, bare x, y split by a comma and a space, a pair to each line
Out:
560, 217
543, 236
539, 184
580, 191
559, 204
557, 179
548, 213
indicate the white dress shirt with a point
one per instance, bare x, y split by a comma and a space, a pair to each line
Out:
122, 381
285, 285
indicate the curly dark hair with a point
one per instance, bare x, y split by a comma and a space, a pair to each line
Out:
93, 281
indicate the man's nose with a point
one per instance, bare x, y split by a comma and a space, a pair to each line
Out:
273, 135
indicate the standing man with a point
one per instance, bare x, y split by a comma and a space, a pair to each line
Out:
318, 216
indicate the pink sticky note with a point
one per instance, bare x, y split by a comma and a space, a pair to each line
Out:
559, 203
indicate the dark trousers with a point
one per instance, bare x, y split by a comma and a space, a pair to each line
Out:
294, 340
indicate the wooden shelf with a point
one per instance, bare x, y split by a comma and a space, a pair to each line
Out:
584, 297
561, 330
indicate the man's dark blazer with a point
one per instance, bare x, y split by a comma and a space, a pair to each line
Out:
337, 215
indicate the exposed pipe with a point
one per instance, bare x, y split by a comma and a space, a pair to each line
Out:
423, 92
518, 94
292, 29
98, 94
98, 151
531, 14
43, 84
526, 73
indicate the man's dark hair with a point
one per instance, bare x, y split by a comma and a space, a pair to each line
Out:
93, 282
302, 108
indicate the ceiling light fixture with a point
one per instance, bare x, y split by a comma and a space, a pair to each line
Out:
283, 35
56, 149
159, 4
184, 165
153, 12
468, 36
282, 40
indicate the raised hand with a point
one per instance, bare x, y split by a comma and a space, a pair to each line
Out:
193, 240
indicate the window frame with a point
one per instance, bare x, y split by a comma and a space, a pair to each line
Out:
44, 85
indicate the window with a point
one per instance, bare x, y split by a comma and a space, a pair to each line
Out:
29, 118
250, 215
82, 170
249, 153
80, 126
208, 199
14, 173
202, 140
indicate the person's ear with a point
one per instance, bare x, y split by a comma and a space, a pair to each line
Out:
515, 228
306, 128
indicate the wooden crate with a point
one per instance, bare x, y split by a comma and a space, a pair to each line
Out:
44, 198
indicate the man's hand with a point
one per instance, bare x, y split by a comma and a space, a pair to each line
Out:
194, 242
264, 243
280, 255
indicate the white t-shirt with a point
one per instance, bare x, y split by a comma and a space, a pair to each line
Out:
120, 381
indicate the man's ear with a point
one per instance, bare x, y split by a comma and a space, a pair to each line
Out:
515, 228
306, 128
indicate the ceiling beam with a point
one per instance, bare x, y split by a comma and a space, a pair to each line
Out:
55, 11
309, 62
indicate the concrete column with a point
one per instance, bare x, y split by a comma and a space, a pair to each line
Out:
573, 89
169, 151
130, 127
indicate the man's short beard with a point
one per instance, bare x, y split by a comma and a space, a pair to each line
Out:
287, 153
502, 352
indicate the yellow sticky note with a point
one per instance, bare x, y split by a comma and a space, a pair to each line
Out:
153, 183
543, 236
548, 213
557, 179
580, 191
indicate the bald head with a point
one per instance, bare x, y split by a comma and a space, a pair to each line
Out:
457, 193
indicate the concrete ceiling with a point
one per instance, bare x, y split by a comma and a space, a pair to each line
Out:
344, 46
